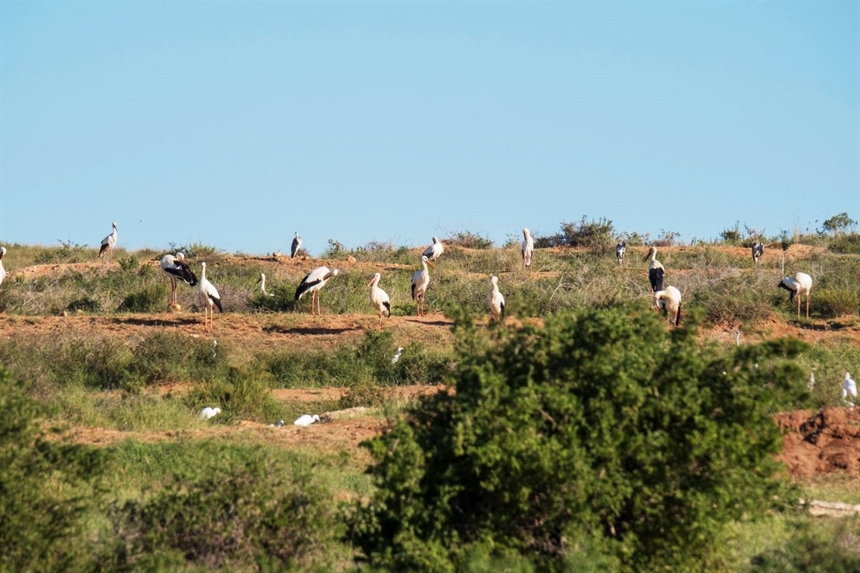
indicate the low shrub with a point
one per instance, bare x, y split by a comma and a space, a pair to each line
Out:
835, 302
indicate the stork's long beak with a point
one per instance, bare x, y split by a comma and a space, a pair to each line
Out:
371, 281
431, 264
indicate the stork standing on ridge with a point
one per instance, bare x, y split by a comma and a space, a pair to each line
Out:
669, 301
420, 282
209, 297
297, 244
799, 284
496, 300
435, 250
655, 270
108, 243
2, 270
619, 251
528, 248
175, 268
379, 298
757, 251
313, 282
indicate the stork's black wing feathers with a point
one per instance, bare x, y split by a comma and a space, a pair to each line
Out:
387, 306
217, 302
294, 248
182, 271
306, 285
655, 275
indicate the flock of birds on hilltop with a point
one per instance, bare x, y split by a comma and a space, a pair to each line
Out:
667, 299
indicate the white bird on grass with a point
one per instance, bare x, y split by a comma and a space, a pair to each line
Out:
528, 248
209, 297
435, 250
262, 282
306, 420
669, 300
175, 268
2, 270
496, 300
799, 284
849, 390
313, 282
420, 282
397, 354
379, 298
108, 243
297, 244
208, 412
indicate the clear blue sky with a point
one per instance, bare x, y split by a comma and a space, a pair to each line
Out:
235, 124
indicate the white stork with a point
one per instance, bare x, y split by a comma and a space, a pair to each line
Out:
669, 301
799, 284
297, 244
757, 251
655, 270
306, 420
2, 270
313, 282
379, 298
420, 282
175, 268
619, 251
528, 248
108, 243
435, 250
209, 297
262, 283
496, 300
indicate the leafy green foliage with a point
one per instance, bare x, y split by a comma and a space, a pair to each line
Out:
838, 224
810, 551
599, 433
227, 518
43, 489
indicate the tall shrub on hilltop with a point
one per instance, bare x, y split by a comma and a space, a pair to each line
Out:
598, 438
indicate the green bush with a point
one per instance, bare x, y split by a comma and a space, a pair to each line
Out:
836, 302
149, 299
229, 518
810, 550
598, 434
44, 490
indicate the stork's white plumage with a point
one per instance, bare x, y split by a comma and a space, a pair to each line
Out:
435, 250
669, 300
379, 298
306, 420
262, 282
496, 300
175, 267
297, 244
619, 251
208, 412
528, 248
757, 251
849, 390
209, 297
313, 282
108, 243
2, 270
420, 282
799, 284
655, 270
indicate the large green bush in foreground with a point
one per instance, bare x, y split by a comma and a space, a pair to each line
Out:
599, 438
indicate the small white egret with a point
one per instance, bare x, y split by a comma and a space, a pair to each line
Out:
208, 412
397, 354
306, 420
262, 282
849, 390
